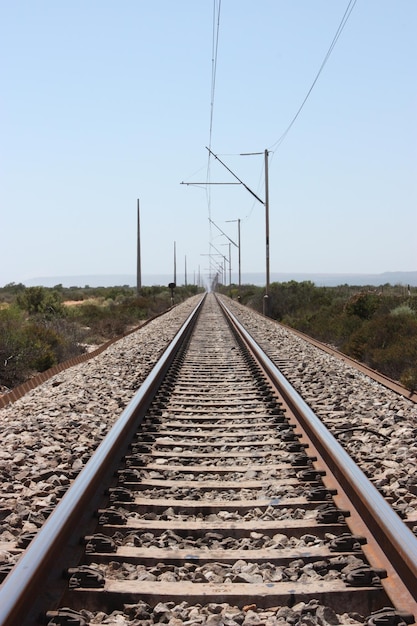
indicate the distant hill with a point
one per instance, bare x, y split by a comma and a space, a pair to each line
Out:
321, 280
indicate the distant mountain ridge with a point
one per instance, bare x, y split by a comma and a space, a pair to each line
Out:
321, 280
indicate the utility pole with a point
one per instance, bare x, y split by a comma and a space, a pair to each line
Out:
175, 262
238, 250
185, 270
138, 267
238, 243
266, 204
266, 297
230, 264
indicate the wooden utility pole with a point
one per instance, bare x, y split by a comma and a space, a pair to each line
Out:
138, 267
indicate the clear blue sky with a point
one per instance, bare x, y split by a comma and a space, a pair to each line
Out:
104, 102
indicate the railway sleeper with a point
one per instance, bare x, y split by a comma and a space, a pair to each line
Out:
118, 593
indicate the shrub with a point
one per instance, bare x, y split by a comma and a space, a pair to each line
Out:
403, 309
34, 345
49, 344
41, 301
43, 348
387, 343
363, 305
13, 348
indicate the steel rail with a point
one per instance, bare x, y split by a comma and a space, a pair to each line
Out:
396, 540
21, 591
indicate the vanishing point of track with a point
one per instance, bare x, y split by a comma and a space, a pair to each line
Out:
217, 485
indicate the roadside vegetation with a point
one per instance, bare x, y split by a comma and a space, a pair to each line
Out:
377, 326
41, 327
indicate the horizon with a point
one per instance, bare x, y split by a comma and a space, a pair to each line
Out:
330, 279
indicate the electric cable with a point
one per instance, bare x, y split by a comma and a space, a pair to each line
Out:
347, 13
214, 55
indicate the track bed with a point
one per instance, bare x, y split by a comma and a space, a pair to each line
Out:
223, 511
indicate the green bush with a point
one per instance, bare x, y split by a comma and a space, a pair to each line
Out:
14, 367
44, 345
28, 346
403, 309
41, 301
386, 343
363, 305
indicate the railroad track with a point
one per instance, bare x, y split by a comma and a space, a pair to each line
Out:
217, 498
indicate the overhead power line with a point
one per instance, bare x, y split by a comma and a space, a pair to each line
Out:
215, 48
214, 55
347, 13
